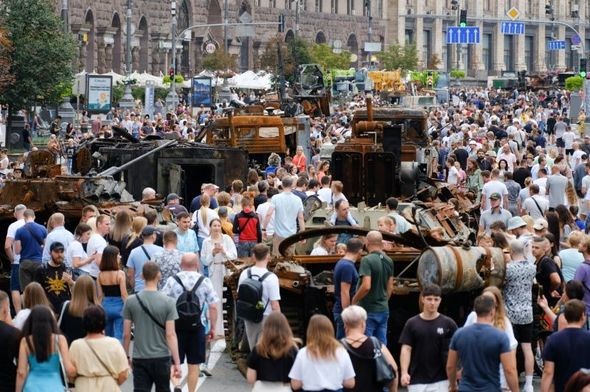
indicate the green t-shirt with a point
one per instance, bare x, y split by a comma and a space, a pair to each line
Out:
150, 339
380, 268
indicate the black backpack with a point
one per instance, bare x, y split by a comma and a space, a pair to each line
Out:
249, 305
189, 307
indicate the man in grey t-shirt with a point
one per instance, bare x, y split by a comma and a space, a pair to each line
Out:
556, 187
153, 314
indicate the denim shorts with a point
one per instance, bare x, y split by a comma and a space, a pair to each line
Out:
14, 279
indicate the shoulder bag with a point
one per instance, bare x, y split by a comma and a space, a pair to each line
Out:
112, 374
384, 372
146, 310
61, 365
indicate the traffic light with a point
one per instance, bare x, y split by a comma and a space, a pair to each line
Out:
281, 23
463, 18
583, 65
548, 9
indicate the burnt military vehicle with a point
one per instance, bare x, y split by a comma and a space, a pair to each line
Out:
386, 156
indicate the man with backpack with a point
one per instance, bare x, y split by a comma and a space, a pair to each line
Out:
258, 294
196, 304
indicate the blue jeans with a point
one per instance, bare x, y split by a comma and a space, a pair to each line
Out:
339, 325
377, 325
113, 307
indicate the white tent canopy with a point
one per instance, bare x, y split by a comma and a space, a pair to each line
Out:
252, 80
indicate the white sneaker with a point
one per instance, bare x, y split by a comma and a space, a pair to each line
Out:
527, 388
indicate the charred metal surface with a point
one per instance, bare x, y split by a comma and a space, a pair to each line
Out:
181, 168
409, 238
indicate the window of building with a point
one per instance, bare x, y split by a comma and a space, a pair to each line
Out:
426, 47
409, 39
380, 9
508, 51
318, 6
349, 7
486, 51
334, 6
529, 49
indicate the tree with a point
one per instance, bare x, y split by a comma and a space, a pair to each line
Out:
219, 60
404, 58
42, 53
293, 52
322, 54
6, 78
574, 83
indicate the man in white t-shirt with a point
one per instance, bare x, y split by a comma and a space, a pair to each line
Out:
263, 209
491, 187
508, 156
14, 258
96, 245
270, 289
535, 206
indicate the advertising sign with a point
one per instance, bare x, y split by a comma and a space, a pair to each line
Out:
202, 92
99, 92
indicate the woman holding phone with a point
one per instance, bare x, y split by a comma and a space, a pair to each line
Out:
217, 248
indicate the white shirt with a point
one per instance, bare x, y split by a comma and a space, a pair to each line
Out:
568, 139
270, 286
453, 177
261, 211
198, 220
319, 251
228, 245
287, 207
319, 374
11, 233
531, 208
75, 249
58, 234
96, 244
490, 187
325, 195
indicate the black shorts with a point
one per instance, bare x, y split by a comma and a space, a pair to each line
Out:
192, 345
523, 332
559, 142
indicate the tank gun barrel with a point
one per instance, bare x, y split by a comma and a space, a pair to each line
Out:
116, 169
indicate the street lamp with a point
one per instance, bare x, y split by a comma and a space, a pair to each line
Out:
127, 102
66, 110
172, 97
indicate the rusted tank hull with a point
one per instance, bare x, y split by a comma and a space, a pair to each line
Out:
458, 269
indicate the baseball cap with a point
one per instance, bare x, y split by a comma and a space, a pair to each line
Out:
148, 230
495, 196
56, 246
540, 224
172, 196
515, 222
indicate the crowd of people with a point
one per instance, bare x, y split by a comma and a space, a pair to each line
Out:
79, 297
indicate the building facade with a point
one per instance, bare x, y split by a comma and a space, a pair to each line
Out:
425, 24
100, 28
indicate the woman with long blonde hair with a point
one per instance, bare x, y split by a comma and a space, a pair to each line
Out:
501, 322
323, 364
70, 319
271, 359
32, 296
134, 240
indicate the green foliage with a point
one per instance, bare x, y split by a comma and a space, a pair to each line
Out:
293, 53
118, 91
178, 78
42, 53
574, 83
322, 54
457, 74
219, 60
404, 58
422, 77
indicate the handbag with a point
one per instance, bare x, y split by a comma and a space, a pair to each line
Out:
384, 372
61, 365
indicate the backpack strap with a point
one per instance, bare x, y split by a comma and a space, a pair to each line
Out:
177, 279
196, 286
146, 253
266, 275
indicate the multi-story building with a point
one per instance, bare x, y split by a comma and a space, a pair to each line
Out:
425, 23
100, 27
